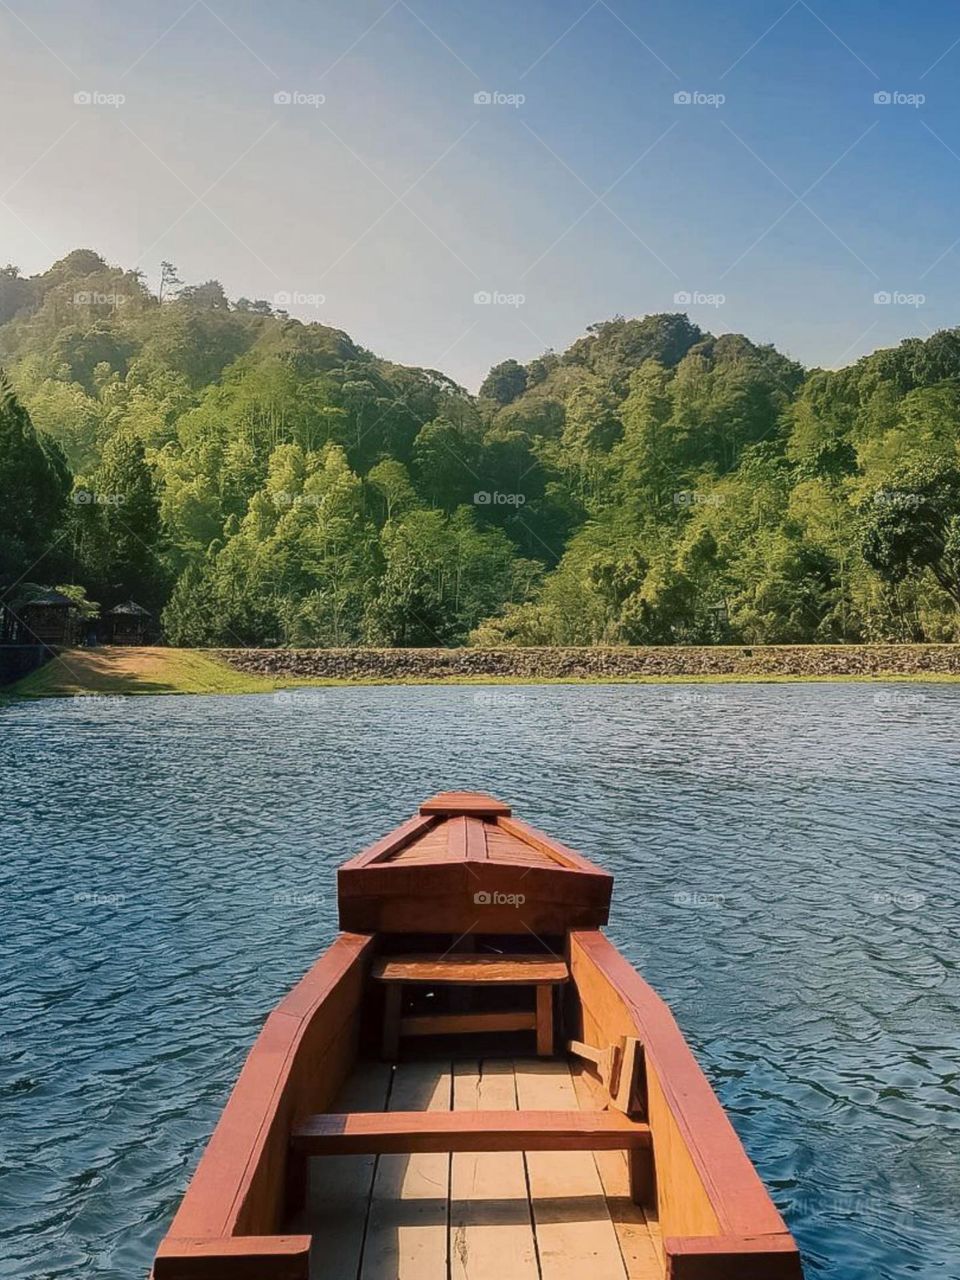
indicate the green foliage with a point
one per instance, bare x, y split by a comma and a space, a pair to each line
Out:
34, 483
504, 382
262, 481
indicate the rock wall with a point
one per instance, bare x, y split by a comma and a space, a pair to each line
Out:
600, 663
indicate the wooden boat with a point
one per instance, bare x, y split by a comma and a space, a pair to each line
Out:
473, 1083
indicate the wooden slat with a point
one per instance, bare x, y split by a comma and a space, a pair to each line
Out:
354, 1133
391, 843
490, 1229
457, 839
605, 1060
476, 840
560, 853
458, 1024
407, 1228
520, 970
339, 1188
429, 846
503, 847
575, 1237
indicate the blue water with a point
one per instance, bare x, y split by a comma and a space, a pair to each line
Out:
787, 877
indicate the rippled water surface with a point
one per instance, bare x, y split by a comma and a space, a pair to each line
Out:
786, 876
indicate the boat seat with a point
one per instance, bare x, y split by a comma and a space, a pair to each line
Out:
544, 973
406, 1132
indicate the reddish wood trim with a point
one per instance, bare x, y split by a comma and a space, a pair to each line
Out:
233, 1258
392, 842
732, 1258
475, 803
242, 1149
740, 1201
404, 1132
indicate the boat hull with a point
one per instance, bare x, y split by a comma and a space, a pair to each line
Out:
681, 1163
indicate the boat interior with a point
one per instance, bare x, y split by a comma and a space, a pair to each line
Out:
497, 1094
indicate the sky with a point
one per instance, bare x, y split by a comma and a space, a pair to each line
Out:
454, 183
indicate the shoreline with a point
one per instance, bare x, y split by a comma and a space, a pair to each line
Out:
123, 671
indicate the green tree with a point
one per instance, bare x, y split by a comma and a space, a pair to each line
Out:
34, 483
915, 527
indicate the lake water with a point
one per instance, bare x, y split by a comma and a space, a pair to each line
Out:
786, 876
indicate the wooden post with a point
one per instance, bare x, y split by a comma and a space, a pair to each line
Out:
643, 1179
545, 1020
393, 1000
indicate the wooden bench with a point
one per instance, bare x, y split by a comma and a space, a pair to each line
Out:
544, 974
404, 1132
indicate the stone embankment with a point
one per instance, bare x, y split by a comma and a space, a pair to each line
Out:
651, 662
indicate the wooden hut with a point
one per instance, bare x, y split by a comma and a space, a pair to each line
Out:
49, 618
128, 623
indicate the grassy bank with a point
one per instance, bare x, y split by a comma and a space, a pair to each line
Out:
114, 670
132, 670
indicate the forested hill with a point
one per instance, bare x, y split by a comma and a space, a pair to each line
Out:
261, 481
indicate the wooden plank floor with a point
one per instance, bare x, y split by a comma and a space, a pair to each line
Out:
475, 1216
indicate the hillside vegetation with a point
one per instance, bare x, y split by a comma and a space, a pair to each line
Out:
257, 481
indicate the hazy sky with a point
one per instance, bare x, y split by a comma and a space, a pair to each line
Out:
782, 210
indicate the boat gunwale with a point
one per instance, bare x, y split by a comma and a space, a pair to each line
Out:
744, 1209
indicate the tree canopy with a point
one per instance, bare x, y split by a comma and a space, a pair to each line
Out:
263, 481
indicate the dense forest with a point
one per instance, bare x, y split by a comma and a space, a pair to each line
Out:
253, 480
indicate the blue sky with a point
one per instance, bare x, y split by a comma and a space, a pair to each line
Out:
384, 210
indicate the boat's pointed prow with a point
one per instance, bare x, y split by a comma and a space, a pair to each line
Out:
465, 865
